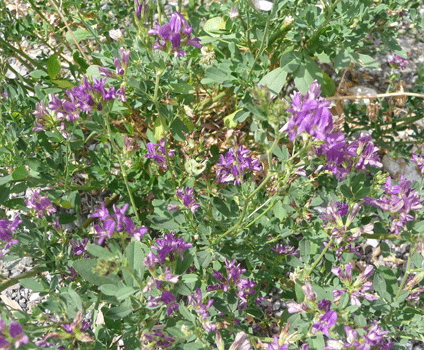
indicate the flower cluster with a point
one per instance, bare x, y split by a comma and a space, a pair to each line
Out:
141, 9
13, 336
398, 200
42, 205
419, 160
7, 229
157, 152
398, 61
281, 249
188, 199
357, 289
371, 339
244, 286
120, 66
116, 222
309, 114
342, 158
85, 98
159, 339
232, 166
177, 32
167, 247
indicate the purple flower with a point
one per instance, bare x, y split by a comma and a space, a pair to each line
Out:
196, 301
157, 152
240, 342
233, 166
419, 160
398, 61
188, 199
169, 246
79, 248
118, 222
168, 299
398, 200
327, 321
177, 32
17, 333
140, 9
309, 114
276, 346
281, 249
42, 205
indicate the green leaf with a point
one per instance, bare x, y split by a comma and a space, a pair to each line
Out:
182, 288
85, 268
125, 293
184, 264
358, 182
63, 84
328, 87
19, 173
99, 251
65, 218
189, 278
135, 255
32, 284
53, 66
221, 206
419, 226
79, 34
214, 24
365, 60
186, 314
38, 74
182, 88
117, 313
385, 249
215, 75
5, 179
109, 289
305, 249
342, 60
291, 61
346, 191
229, 120
274, 80
76, 299
306, 73
363, 192
178, 130
76, 55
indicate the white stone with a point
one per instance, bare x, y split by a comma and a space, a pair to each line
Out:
397, 167
361, 90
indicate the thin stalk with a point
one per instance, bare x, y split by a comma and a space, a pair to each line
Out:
261, 48
249, 197
408, 266
163, 122
320, 257
24, 55
14, 280
121, 165
69, 29
68, 158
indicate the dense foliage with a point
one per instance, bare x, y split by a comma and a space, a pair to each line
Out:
168, 167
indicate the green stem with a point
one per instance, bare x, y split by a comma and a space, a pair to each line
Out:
262, 47
14, 280
121, 165
405, 277
320, 257
24, 55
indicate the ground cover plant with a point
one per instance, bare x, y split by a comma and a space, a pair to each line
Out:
167, 167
